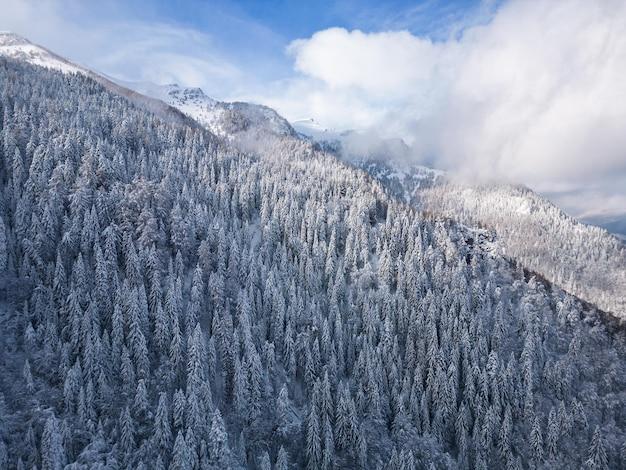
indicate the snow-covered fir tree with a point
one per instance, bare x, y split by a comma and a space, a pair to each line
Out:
170, 302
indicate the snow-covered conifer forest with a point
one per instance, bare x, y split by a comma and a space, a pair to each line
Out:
585, 260
169, 301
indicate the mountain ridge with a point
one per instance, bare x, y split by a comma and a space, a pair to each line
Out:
224, 119
19, 48
585, 260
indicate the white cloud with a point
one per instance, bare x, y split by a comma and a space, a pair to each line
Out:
535, 95
383, 64
593, 202
112, 39
163, 53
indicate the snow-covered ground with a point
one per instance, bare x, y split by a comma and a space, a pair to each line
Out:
309, 127
17, 47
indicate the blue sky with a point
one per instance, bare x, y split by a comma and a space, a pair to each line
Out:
254, 35
246, 37
288, 20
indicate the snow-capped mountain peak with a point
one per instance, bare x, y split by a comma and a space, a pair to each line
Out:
222, 118
17, 47
190, 94
191, 101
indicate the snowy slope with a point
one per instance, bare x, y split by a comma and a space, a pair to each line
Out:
172, 102
310, 128
222, 118
256, 115
17, 47
583, 259
191, 101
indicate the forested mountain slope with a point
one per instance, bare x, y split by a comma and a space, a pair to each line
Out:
583, 259
237, 121
169, 302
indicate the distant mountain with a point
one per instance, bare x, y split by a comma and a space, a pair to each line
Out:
353, 144
615, 224
402, 181
583, 259
224, 119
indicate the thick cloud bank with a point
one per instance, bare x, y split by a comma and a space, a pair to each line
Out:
535, 95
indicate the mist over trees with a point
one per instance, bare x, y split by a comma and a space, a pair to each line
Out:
169, 302
585, 260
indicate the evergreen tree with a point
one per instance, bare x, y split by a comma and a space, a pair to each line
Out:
127, 433
162, 436
217, 442
313, 439
4, 249
282, 461
28, 378
597, 458
264, 461
52, 450
553, 433
536, 441
181, 460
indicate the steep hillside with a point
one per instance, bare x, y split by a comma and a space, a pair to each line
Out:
583, 259
176, 303
15, 46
